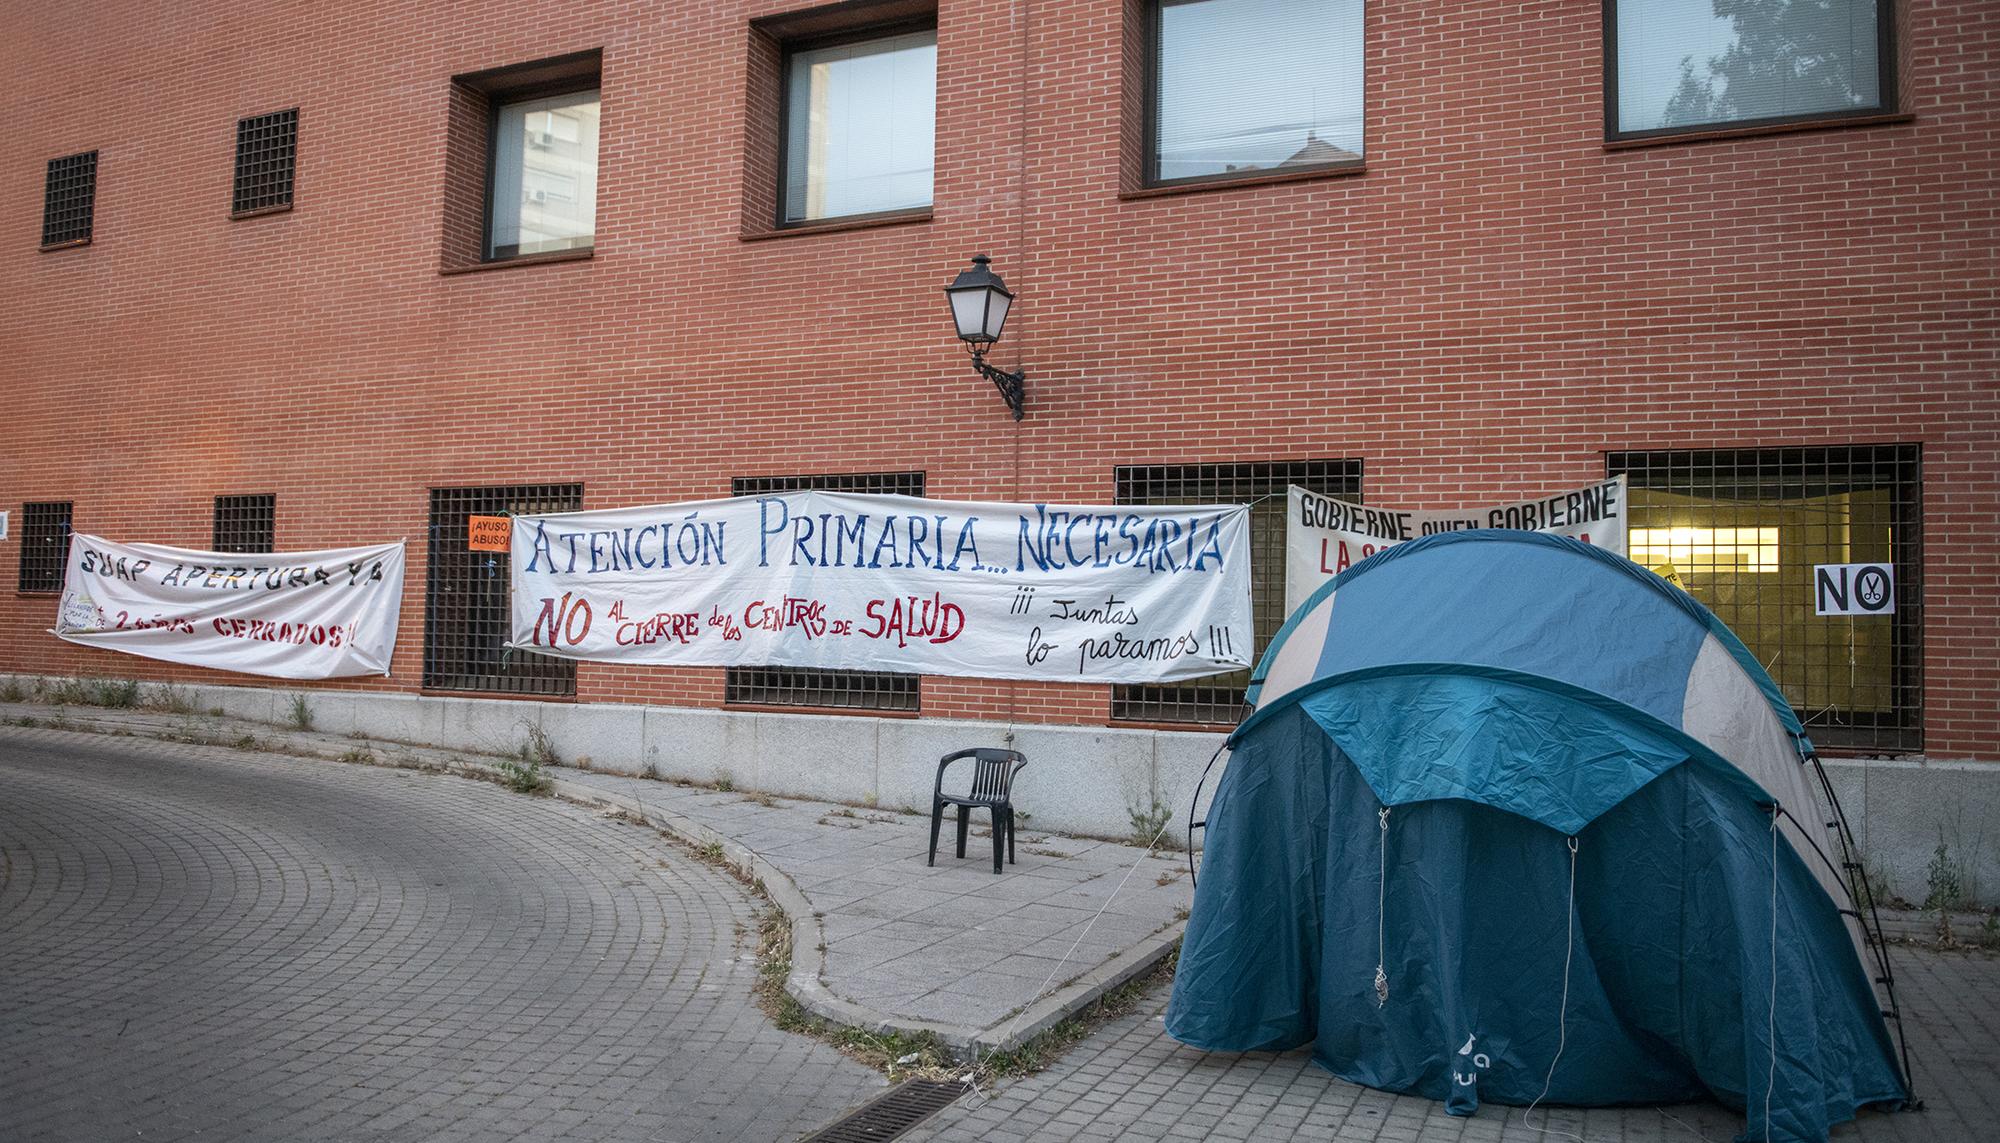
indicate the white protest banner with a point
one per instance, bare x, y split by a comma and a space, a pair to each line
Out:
290, 615
891, 583
1325, 536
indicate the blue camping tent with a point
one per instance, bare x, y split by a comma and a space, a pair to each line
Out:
1515, 819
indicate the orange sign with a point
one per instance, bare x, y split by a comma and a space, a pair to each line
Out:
488, 533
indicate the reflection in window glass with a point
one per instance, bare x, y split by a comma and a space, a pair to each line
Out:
1254, 85
1686, 63
544, 176
860, 122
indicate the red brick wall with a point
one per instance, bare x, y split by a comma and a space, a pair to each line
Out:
1497, 302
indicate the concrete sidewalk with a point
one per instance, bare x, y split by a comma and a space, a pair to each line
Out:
880, 940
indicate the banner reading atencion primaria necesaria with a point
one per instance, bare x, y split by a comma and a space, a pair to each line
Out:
892, 583
287, 615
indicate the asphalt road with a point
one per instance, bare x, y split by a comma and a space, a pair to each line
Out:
198, 943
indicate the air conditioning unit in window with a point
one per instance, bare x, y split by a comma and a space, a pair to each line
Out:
538, 196
541, 140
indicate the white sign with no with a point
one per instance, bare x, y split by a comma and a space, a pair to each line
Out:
1854, 589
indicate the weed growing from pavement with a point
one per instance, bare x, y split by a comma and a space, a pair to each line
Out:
761, 798
171, 699
13, 691
725, 781
524, 776
359, 755
537, 749
1149, 825
115, 693
301, 714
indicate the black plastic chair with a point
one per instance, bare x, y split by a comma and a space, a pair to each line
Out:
992, 788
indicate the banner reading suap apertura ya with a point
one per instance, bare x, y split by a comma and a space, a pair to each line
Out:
288, 615
891, 583
1325, 536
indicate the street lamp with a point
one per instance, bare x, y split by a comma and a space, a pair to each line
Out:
979, 304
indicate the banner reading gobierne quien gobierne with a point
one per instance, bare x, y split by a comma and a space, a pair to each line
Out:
286, 615
1325, 536
892, 583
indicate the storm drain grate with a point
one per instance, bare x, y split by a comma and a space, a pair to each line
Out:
891, 1114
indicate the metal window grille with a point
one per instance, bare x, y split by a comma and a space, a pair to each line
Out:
793, 686
69, 199
1741, 529
44, 545
245, 523
466, 609
1220, 699
267, 150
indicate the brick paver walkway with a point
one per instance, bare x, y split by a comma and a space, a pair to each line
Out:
1130, 1081
199, 943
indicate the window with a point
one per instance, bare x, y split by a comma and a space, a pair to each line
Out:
466, 609
521, 162
44, 545
860, 118
245, 523
1741, 530
1690, 65
69, 200
793, 686
544, 192
1219, 698
267, 151
1250, 87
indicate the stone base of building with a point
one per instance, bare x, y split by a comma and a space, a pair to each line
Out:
1918, 820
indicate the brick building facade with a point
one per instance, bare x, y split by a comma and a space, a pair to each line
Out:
1495, 303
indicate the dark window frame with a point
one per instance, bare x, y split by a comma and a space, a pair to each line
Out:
1885, 57
1206, 702
788, 46
40, 574
899, 693
57, 238
1149, 118
1895, 466
452, 661
244, 186
518, 83
254, 515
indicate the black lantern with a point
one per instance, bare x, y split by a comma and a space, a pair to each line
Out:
979, 305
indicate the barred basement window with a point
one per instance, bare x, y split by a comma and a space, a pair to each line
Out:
267, 151
44, 545
795, 686
466, 607
245, 524
1219, 698
69, 200
1740, 530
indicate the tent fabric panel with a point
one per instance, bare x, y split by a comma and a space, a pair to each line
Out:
1749, 736
1295, 655
1689, 847
1253, 959
1532, 608
1524, 749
